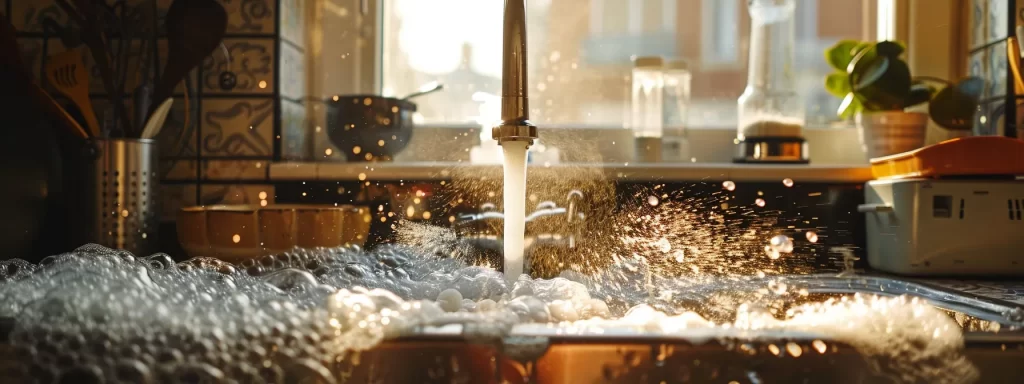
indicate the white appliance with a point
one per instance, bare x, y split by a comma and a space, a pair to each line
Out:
947, 227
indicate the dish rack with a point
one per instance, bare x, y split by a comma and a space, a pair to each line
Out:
953, 209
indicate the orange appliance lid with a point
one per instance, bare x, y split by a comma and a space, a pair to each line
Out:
967, 156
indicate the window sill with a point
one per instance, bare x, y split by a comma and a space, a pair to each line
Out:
663, 172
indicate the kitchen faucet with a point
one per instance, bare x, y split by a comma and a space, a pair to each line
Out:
515, 122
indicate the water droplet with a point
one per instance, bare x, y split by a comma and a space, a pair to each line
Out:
812, 236
760, 202
819, 346
236, 238
794, 349
787, 182
653, 201
729, 186
680, 256
782, 244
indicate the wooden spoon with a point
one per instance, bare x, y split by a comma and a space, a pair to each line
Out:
67, 73
194, 29
11, 64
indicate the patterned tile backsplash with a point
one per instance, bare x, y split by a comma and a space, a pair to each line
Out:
250, 16
237, 127
249, 66
246, 105
991, 22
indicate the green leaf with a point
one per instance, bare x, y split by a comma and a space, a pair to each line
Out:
840, 54
881, 82
971, 87
838, 84
865, 55
954, 107
861, 47
920, 92
890, 48
849, 107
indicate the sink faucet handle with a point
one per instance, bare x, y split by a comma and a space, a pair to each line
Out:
573, 211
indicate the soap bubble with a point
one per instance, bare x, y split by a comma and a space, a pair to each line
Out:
782, 244
101, 315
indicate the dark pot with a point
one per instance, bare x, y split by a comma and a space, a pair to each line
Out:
359, 124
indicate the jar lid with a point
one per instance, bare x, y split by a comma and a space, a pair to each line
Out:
648, 61
677, 64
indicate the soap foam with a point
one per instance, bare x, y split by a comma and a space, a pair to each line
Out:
104, 313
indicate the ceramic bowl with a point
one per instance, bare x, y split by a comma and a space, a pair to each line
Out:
235, 233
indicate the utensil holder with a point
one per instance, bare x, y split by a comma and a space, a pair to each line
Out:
119, 196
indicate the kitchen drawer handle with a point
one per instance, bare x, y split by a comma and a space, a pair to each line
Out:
874, 208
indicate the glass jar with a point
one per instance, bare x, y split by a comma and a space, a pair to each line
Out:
647, 106
770, 106
677, 97
648, 87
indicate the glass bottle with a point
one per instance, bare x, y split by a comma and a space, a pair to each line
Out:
646, 112
770, 106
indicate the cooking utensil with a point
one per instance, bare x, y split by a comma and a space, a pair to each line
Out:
194, 29
10, 62
68, 36
367, 127
425, 90
156, 120
67, 73
55, 109
84, 15
1013, 56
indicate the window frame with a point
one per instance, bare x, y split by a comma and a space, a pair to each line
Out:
902, 15
710, 58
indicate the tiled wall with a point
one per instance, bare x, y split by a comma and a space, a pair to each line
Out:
240, 130
991, 22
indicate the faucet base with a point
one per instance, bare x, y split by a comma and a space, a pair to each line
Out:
515, 131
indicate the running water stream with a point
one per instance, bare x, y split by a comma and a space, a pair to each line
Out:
515, 207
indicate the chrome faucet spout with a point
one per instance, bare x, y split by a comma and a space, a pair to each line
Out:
515, 122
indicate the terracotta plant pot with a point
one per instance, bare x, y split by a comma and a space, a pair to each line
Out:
888, 133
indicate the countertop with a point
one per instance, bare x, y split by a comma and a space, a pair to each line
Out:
665, 172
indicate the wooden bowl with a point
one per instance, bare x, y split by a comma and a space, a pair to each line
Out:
235, 233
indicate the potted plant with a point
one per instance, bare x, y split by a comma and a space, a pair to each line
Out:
888, 104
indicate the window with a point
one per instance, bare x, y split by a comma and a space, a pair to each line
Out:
720, 34
580, 55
